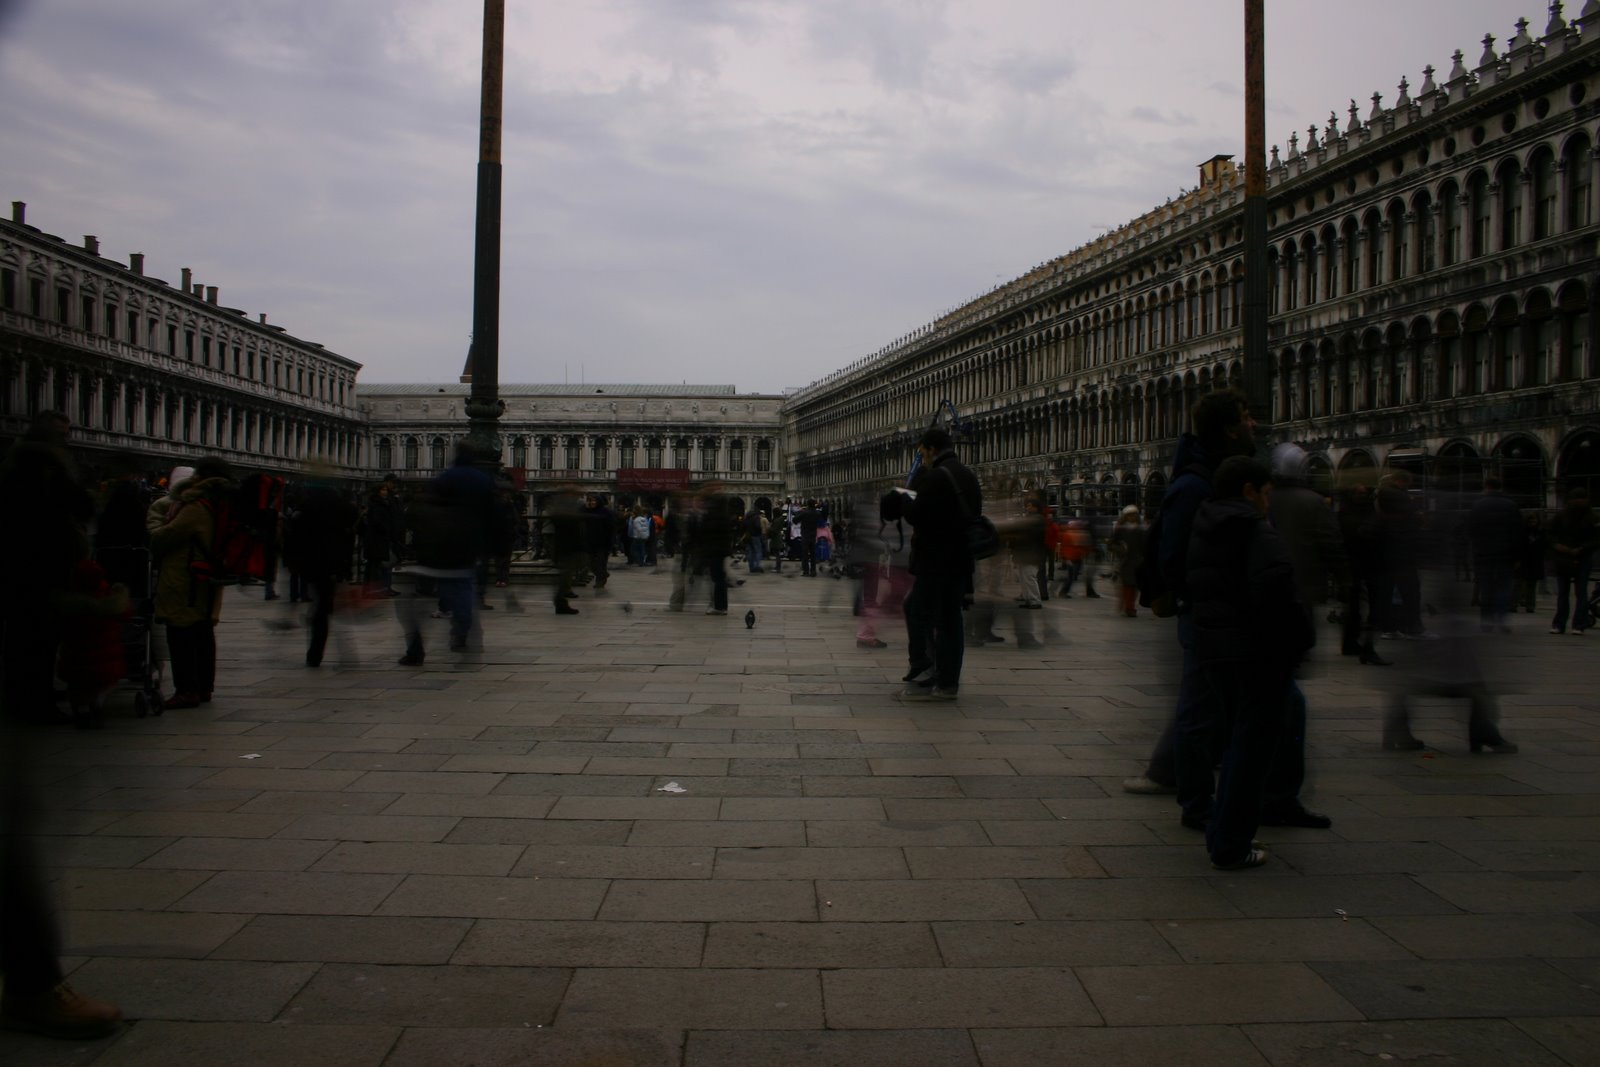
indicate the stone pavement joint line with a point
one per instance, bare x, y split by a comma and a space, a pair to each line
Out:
644, 838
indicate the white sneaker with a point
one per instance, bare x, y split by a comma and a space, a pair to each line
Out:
1145, 786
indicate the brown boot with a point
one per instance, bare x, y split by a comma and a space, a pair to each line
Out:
60, 1012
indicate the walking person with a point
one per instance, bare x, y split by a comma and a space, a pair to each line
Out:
1497, 535
1250, 630
808, 518
639, 531
942, 500
317, 544
1573, 535
451, 525
755, 538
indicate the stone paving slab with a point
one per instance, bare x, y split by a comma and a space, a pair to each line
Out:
488, 860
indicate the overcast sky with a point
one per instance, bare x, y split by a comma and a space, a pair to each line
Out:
746, 192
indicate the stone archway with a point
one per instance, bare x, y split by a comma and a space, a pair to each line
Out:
1522, 470
1578, 463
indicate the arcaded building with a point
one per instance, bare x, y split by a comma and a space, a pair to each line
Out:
636, 442
167, 373
1432, 274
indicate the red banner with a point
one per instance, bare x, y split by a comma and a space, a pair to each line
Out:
651, 480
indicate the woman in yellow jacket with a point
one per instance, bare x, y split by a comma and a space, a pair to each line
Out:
187, 601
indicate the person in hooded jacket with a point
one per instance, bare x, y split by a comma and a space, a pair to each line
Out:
188, 599
1250, 632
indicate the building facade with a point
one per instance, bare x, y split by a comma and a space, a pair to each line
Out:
165, 373
635, 442
1432, 273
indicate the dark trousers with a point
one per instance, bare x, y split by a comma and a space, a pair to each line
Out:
30, 941
1197, 724
1572, 589
322, 588
717, 569
194, 657
808, 555
1494, 590
933, 621
1251, 704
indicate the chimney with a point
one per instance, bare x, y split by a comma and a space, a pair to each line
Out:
91, 244
188, 278
263, 318
211, 294
19, 212
136, 262
197, 290
1213, 170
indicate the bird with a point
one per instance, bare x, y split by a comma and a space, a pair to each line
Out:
749, 620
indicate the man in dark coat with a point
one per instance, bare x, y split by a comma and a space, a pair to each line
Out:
317, 547
808, 518
383, 533
943, 498
599, 532
1494, 526
1574, 535
1249, 632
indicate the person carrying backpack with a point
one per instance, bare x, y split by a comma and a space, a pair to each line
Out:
188, 598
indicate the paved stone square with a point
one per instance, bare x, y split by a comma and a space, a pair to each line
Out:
636, 837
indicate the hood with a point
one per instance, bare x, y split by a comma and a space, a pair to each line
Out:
1188, 451
175, 481
1216, 514
195, 488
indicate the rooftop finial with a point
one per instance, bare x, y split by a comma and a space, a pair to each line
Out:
1404, 99
1521, 39
1557, 25
1377, 108
1355, 120
1427, 81
1489, 57
1458, 72
1311, 137
1275, 163
1294, 139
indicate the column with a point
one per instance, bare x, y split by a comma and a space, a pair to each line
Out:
1494, 242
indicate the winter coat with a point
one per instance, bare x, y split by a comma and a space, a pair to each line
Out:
318, 544
1574, 528
1494, 523
1242, 591
181, 533
1189, 488
948, 497
43, 536
1308, 527
1127, 539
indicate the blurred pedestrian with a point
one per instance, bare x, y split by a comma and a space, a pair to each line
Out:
1497, 535
1573, 534
317, 547
1127, 544
451, 526
188, 599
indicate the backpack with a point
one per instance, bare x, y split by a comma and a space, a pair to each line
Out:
1155, 592
244, 526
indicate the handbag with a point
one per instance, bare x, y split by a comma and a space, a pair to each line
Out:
983, 540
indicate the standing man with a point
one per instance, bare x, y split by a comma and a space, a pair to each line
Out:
1574, 534
317, 547
1494, 526
809, 519
598, 528
639, 531
943, 499
755, 538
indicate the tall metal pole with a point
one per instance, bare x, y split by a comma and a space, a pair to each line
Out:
1257, 361
483, 357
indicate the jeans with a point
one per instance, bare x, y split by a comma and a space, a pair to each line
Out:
1575, 586
933, 624
636, 550
1195, 729
753, 554
1251, 705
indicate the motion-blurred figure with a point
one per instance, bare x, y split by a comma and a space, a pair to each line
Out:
1573, 536
450, 525
1496, 532
1127, 544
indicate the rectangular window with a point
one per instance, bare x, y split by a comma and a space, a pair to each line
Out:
574, 451
188, 345
653, 455
63, 305
736, 456
36, 297
627, 455
133, 328
8, 288
172, 340
86, 313
205, 351
547, 456
763, 456
236, 355
111, 321
680, 454
708, 456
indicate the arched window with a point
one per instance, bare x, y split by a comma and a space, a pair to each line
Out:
654, 453
1450, 218
1542, 189
436, 454
1426, 236
547, 453
1399, 241
385, 454
1543, 339
1475, 351
1511, 207
1312, 261
710, 453
736, 454
763, 455
573, 448
412, 450
1580, 182
1478, 212
1375, 243
519, 452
